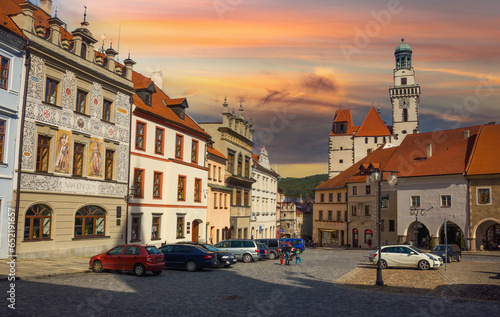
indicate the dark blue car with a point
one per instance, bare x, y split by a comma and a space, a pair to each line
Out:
189, 256
454, 252
264, 251
297, 243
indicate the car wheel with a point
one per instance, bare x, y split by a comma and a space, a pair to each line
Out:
423, 265
272, 256
139, 270
449, 259
157, 272
459, 258
247, 258
97, 266
383, 264
191, 266
219, 264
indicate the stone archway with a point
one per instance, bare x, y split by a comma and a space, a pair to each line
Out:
454, 234
423, 235
487, 234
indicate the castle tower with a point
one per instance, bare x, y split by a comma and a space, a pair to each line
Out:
405, 95
341, 151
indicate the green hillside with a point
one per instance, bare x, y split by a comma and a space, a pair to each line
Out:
302, 186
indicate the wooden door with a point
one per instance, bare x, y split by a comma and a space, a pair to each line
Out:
194, 235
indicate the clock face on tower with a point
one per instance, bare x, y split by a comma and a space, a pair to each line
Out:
404, 103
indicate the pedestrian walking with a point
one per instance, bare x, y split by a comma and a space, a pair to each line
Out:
288, 249
282, 255
297, 257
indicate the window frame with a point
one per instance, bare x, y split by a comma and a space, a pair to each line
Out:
354, 190
230, 161
197, 190
239, 170
78, 106
181, 190
46, 156
3, 139
446, 203
78, 158
157, 187
479, 195
159, 141
109, 164
51, 86
141, 137
194, 151
158, 227
417, 197
90, 215
354, 211
4, 79
138, 183
247, 166
136, 226
367, 211
179, 146
37, 215
320, 215
330, 215
368, 189
106, 110
180, 221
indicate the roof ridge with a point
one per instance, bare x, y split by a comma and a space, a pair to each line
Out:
476, 141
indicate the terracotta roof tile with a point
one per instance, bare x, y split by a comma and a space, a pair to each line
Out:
215, 152
484, 159
343, 116
373, 125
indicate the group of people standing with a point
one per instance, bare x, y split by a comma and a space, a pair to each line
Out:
287, 254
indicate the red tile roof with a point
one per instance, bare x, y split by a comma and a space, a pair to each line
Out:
373, 125
8, 8
343, 116
160, 109
486, 151
215, 152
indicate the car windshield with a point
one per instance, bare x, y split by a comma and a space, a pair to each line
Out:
440, 248
415, 249
210, 247
153, 250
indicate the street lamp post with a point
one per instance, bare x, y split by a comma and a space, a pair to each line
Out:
414, 212
377, 176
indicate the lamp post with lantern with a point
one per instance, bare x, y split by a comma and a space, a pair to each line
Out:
377, 176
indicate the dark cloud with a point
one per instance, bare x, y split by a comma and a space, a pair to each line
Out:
273, 96
315, 83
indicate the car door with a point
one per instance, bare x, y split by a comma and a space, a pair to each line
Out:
179, 254
389, 254
111, 260
237, 248
130, 257
408, 257
168, 254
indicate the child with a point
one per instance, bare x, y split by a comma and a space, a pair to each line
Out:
297, 257
282, 255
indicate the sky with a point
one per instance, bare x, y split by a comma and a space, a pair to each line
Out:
293, 63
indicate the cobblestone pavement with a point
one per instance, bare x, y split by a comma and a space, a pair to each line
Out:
262, 288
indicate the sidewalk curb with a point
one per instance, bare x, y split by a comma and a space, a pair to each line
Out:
40, 276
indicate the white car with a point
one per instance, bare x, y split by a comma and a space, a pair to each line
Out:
405, 256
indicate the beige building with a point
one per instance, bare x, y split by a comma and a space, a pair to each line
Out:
75, 141
329, 224
233, 137
218, 197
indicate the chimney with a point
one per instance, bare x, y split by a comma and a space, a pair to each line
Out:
429, 150
157, 78
466, 134
110, 55
129, 65
46, 5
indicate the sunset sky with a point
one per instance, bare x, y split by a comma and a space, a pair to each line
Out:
293, 63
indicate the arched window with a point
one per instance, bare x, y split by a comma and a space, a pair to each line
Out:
90, 221
37, 223
369, 236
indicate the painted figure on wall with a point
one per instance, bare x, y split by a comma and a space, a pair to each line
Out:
95, 157
62, 152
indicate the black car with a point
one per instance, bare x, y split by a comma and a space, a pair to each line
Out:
191, 257
454, 252
273, 245
224, 259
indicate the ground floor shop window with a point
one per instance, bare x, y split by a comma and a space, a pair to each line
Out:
368, 236
355, 237
180, 227
135, 234
90, 221
330, 237
155, 228
37, 222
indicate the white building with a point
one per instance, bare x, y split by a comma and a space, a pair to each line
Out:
264, 198
168, 202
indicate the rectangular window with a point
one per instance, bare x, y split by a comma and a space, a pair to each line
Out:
354, 190
225, 201
445, 200
382, 225
403, 81
155, 228
367, 210
245, 198
238, 198
136, 227
78, 159
322, 198
106, 110
330, 197
353, 211
180, 227
345, 215
4, 72
415, 201
320, 215
240, 164
392, 225
179, 143
197, 189
81, 100
194, 151
215, 175
181, 188
330, 215
157, 184
339, 216
247, 167
220, 176
159, 140
385, 202
339, 197
51, 91
42, 154
140, 134
220, 201
3, 127
109, 165
230, 162
215, 201
368, 189
138, 183
483, 196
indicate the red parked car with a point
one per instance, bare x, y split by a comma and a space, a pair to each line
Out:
136, 258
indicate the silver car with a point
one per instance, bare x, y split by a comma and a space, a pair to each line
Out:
243, 249
405, 256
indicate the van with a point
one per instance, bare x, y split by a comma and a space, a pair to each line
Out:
273, 245
243, 249
298, 243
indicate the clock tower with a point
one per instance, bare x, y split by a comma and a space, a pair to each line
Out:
405, 95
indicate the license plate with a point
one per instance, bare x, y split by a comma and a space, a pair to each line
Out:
158, 259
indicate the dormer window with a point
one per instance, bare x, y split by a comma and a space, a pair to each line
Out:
340, 127
149, 99
83, 51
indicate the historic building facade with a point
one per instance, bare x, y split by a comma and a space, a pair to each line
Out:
75, 141
348, 143
233, 137
167, 171
329, 225
264, 197
12, 80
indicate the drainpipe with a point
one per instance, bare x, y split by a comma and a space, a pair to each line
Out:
129, 163
467, 218
27, 63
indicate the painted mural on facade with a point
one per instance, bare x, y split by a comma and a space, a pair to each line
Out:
63, 151
95, 157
